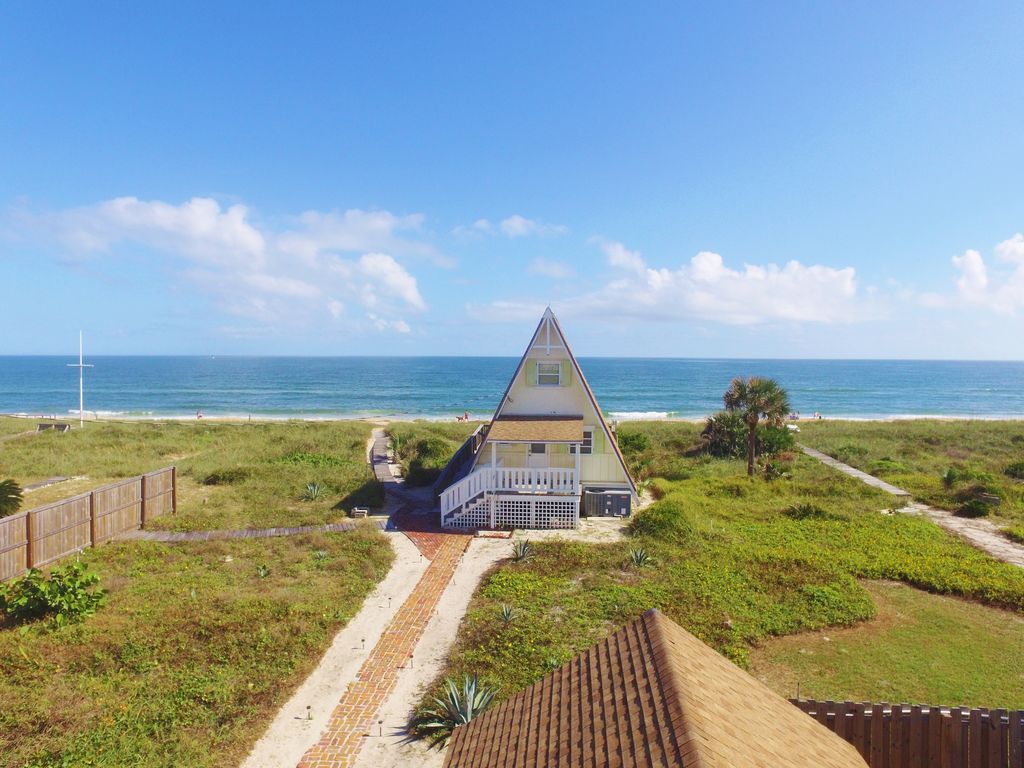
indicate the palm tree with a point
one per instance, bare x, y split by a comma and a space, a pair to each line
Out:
756, 399
10, 497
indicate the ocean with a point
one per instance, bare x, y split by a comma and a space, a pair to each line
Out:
441, 387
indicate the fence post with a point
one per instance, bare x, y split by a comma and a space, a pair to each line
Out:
29, 554
92, 518
142, 501
174, 489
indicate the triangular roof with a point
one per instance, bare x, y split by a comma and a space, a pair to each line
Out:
649, 695
548, 323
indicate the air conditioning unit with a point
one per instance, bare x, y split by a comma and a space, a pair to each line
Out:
601, 502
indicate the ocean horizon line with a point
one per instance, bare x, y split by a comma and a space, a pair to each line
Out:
699, 358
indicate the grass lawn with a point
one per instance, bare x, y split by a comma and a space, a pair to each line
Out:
190, 658
230, 475
914, 455
882, 659
737, 562
423, 448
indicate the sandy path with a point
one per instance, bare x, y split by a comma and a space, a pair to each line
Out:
392, 750
291, 733
980, 533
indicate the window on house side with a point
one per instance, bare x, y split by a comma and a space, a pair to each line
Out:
549, 374
538, 447
587, 447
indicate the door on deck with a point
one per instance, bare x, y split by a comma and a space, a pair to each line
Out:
537, 456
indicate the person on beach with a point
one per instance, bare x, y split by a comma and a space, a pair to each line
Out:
199, 414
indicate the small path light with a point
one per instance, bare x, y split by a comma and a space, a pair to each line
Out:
363, 641
380, 727
309, 712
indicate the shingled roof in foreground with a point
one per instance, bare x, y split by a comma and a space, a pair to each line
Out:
649, 695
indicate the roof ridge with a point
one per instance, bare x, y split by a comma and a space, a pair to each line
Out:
682, 730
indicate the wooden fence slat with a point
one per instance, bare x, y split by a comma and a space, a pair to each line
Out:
1000, 734
974, 740
916, 733
878, 745
1016, 739
934, 737
896, 751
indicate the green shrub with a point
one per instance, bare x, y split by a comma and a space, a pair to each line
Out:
454, 708
808, 511
226, 476
313, 492
949, 478
311, 459
1015, 470
522, 551
633, 442
972, 508
1015, 534
725, 436
10, 497
66, 595
666, 520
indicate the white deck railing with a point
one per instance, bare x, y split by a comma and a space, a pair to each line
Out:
509, 480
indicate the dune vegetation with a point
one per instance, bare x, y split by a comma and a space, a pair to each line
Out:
969, 467
195, 649
737, 561
230, 475
423, 448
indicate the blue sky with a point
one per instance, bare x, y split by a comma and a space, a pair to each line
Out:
803, 180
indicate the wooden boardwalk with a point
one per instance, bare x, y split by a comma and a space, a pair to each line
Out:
977, 532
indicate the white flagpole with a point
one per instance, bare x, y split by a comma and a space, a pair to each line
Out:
81, 381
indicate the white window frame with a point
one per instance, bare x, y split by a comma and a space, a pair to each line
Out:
549, 378
587, 446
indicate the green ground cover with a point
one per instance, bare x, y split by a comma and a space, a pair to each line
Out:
423, 448
191, 656
916, 455
881, 660
737, 562
231, 475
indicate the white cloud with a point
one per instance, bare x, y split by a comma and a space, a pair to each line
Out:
476, 229
512, 227
519, 226
274, 276
1001, 290
620, 256
556, 270
706, 288
382, 324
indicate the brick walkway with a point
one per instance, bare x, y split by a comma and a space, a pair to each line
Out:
356, 713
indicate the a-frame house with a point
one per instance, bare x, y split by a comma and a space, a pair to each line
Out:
546, 452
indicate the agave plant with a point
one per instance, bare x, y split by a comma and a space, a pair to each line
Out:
640, 558
313, 492
521, 550
456, 707
10, 497
507, 614
262, 571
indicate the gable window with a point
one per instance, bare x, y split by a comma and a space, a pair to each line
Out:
549, 374
587, 446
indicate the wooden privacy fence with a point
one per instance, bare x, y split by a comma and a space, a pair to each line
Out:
39, 536
904, 736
